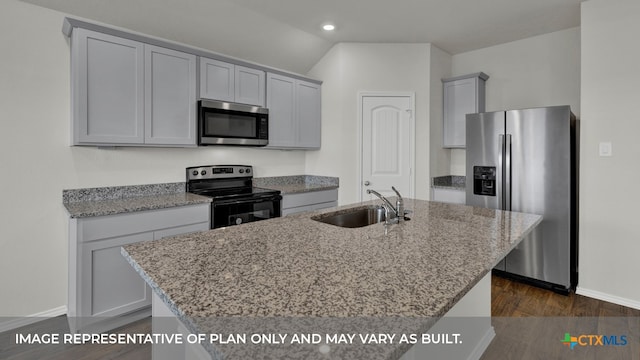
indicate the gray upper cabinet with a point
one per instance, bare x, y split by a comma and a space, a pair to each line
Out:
281, 102
108, 89
294, 113
132, 90
308, 114
217, 80
170, 97
462, 95
250, 86
223, 81
126, 92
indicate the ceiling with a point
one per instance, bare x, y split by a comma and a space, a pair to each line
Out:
287, 34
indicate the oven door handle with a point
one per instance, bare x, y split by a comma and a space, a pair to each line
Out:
249, 201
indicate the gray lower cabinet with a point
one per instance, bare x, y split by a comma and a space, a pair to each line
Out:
223, 81
309, 201
105, 292
125, 92
294, 113
453, 196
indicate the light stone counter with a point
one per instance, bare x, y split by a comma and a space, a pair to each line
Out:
297, 183
453, 182
298, 268
90, 202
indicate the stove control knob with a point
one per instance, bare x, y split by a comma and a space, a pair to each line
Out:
248, 170
203, 172
241, 171
194, 172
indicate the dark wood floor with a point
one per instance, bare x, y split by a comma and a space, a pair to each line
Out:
10, 351
514, 299
529, 324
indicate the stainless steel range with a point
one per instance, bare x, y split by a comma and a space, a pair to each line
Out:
235, 200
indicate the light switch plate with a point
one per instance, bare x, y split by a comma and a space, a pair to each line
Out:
606, 149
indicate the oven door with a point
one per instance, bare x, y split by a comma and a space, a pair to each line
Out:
239, 211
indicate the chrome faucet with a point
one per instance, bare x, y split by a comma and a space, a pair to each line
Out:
398, 210
399, 204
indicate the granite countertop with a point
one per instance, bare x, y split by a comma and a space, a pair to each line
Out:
100, 201
297, 183
142, 203
90, 202
453, 182
304, 269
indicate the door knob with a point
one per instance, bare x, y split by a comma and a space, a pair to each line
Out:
366, 183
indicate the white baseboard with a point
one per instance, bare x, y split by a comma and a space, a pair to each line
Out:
484, 343
607, 297
19, 321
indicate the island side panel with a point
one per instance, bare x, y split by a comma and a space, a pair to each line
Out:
164, 321
471, 318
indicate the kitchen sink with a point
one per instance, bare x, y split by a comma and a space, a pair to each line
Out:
353, 218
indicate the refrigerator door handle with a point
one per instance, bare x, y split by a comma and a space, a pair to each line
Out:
501, 169
507, 173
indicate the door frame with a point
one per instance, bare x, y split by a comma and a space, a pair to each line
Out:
412, 143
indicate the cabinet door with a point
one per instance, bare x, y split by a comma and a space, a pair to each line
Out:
281, 100
108, 89
170, 97
249, 86
110, 286
308, 114
217, 80
460, 99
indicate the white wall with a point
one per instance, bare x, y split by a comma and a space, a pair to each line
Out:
609, 232
351, 67
539, 71
37, 163
440, 69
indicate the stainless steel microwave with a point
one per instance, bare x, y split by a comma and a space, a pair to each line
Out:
225, 123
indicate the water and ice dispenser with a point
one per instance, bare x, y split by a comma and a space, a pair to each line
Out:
484, 180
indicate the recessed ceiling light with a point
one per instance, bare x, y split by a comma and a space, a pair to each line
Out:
328, 27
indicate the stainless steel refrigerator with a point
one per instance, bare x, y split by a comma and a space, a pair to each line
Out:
527, 161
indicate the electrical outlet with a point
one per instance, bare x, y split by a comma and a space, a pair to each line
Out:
606, 149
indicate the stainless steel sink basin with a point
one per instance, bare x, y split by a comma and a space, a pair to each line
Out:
353, 218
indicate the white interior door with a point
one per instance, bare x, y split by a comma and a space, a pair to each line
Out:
387, 144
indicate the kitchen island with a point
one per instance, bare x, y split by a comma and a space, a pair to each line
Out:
296, 274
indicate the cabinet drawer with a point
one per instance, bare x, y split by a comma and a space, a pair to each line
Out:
309, 198
452, 196
312, 207
103, 227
